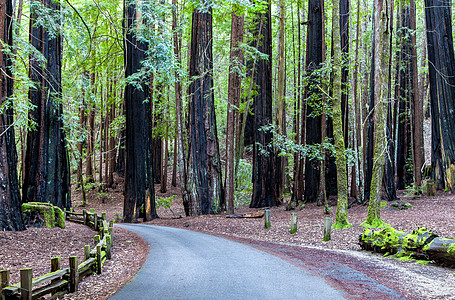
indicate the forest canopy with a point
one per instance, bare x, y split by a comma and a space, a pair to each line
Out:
245, 102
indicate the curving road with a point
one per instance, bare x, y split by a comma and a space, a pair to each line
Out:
183, 264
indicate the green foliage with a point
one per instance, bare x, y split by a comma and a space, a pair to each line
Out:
165, 202
243, 184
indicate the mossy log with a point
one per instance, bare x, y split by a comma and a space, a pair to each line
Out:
442, 251
390, 240
421, 243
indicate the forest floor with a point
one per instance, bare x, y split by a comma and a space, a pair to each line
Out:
35, 247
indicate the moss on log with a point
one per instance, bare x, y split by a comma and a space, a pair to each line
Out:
421, 243
392, 241
52, 215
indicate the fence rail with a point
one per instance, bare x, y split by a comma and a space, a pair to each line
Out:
63, 281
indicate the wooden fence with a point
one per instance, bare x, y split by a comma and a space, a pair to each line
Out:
63, 281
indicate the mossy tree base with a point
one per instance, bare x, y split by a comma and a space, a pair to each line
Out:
341, 225
52, 215
374, 223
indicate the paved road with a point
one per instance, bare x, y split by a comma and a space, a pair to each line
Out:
183, 264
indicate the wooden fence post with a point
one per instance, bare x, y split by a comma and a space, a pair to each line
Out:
74, 274
84, 213
4, 279
97, 239
86, 252
26, 284
293, 223
55, 266
327, 229
111, 229
267, 222
96, 222
103, 215
102, 232
108, 247
98, 259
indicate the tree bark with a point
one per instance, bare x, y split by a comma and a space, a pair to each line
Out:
204, 166
417, 108
342, 178
384, 9
139, 186
182, 160
234, 89
314, 57
47, 162
281, 100
264, 193
438, 16
10, 199
91, 133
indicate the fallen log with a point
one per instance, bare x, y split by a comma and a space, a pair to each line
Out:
442, 251
392, 241
421, 244
255, 215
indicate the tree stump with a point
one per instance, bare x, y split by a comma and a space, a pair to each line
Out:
327, 229
267, 221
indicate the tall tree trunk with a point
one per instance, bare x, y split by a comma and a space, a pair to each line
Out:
281, 100
417, 107
264, 193
345, 12
315, 56
298, 189
342, 178
389, 167
235, 80
91, 134
82, 125
157, 140
383, 11
369, 130
48, 176
204, 167
139, 187
438, 15
404, 172
163, 187
10, 198
174, 164
182, 160
120, 163
112, 148
163, 181
357, 186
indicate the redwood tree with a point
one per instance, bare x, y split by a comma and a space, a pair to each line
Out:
46, 159
438, 16
139, 187
10, 202
204, 166
235, 80
264, 193
314, 57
